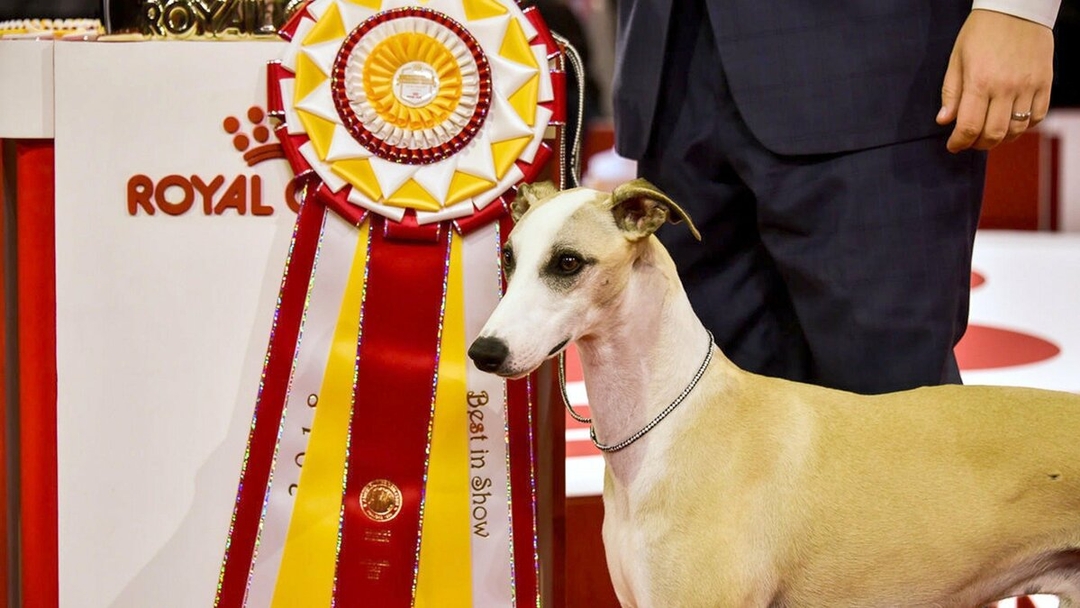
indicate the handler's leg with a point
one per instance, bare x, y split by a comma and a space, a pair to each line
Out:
730, 278
875, 249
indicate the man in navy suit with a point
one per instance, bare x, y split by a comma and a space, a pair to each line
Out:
832, 153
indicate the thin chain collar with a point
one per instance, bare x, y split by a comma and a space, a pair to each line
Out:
603, 447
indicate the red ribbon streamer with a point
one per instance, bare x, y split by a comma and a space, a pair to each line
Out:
398, 357
522, 424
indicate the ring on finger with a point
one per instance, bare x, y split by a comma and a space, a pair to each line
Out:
1021, 116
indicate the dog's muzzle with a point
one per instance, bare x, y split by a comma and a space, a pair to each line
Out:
488, 353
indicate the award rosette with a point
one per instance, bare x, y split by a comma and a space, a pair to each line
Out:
382, 469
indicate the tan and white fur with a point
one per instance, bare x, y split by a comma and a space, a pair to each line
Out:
759, 492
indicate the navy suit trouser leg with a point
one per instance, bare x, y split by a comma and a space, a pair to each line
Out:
849, 270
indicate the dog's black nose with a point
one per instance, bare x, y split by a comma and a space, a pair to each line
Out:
488, 353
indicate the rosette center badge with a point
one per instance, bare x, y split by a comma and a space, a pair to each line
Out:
416, 84
412, 85
438, 109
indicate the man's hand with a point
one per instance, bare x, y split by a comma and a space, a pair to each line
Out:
1000, 66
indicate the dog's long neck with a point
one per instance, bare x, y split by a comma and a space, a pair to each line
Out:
647, 352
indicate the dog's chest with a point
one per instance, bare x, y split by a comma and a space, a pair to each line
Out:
635, 554
624, 556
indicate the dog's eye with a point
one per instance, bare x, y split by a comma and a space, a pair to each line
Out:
569, 263
508, 257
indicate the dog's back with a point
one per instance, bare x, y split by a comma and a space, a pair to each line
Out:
900, 499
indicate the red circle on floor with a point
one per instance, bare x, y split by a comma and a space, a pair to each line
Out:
994, 347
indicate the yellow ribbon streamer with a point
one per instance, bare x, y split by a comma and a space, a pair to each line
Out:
306, 577
445, 577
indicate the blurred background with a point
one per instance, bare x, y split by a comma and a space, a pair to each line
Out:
1023, 329
590, 26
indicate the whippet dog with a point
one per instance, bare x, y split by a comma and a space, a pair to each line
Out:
727, 488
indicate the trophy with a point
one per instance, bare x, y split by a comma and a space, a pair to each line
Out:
185, 19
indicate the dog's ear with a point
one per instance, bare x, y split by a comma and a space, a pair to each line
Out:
528, 195
640, 208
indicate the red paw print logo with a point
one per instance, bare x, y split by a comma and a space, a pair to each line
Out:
258, 134
994, 347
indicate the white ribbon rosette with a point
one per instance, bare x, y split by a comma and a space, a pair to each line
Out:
382, 468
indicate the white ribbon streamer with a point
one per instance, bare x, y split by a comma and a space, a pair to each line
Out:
489, 480
333, 261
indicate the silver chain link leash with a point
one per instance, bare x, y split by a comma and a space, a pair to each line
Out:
575, 174
574, 166
575, 151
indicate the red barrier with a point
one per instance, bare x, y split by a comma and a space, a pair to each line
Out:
5, 378
36, 269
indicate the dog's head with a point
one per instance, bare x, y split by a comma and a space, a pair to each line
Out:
567, 263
